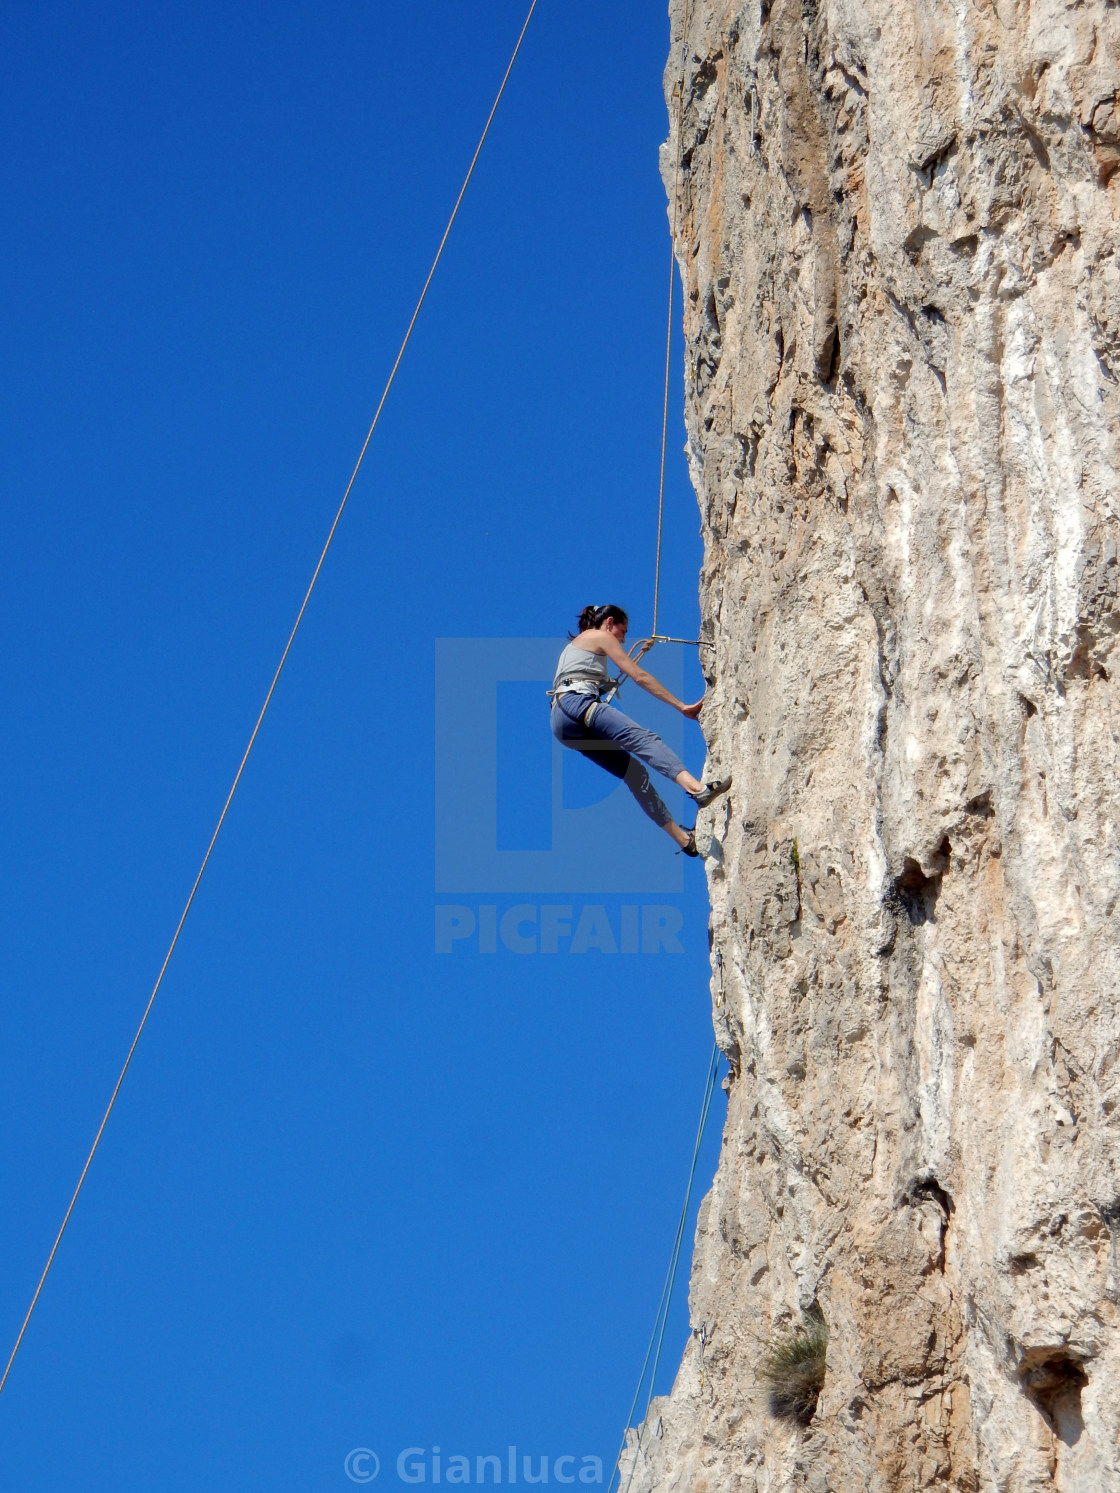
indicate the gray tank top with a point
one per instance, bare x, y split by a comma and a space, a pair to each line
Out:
581, 673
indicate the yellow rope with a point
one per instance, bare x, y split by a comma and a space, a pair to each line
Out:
268, 696
658, 1334
638, 651
679, 90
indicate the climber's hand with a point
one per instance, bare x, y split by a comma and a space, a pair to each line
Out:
692, 712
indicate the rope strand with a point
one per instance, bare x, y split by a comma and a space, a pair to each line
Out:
268, 697
662, 1317
669, 318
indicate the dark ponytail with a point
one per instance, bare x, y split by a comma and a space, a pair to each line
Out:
596, 616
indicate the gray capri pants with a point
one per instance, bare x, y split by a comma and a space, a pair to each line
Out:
614, 742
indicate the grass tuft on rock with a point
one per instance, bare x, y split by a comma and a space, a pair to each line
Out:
793, 1369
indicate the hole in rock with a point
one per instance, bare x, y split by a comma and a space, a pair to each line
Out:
1053, 1379
931, 1188
831, 359
981, 805
711, 311
1020, 1264
918, 891
1037, 145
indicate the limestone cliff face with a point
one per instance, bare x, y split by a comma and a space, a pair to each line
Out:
898, 231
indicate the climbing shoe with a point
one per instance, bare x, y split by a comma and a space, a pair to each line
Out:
689, 847
710, 792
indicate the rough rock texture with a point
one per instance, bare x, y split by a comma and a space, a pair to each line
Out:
898, 231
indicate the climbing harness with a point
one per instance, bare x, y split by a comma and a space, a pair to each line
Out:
662, 1317
271, 691
600, 690
581, 672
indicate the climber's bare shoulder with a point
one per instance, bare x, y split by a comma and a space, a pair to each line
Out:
595, 640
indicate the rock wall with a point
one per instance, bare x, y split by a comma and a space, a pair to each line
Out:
897, 225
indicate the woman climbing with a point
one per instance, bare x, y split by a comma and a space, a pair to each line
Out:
583, 721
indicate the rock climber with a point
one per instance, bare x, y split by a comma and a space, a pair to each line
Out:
583, 721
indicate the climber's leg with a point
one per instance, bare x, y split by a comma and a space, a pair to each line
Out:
620, 729
611, 725
618, 762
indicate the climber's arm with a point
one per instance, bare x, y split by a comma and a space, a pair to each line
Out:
633, 670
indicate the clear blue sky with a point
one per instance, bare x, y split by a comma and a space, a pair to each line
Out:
356, 1192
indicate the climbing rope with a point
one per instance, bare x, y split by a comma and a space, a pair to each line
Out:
662, 1317
643, 646
639, 650
679, 94
268, 696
